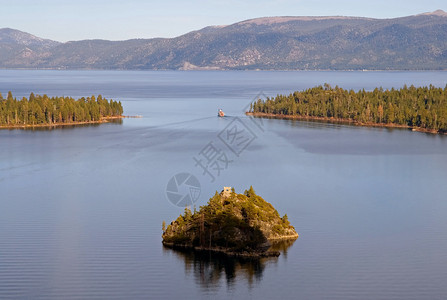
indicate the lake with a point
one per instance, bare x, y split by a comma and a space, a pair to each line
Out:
81, 208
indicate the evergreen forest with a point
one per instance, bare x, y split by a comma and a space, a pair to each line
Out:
415, 107
44, 110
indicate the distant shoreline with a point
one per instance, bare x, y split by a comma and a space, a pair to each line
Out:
102, 121
341, 121
211, 69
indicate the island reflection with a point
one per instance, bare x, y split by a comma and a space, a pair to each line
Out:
210, 268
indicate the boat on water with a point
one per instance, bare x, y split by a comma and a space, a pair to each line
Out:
220, 113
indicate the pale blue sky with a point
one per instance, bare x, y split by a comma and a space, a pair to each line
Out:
124, 19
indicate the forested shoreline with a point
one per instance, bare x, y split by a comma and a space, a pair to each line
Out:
421, 108
40, 110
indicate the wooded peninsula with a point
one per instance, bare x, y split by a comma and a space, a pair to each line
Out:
45, 111
419, 108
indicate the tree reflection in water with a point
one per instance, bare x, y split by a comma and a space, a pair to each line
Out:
210, 268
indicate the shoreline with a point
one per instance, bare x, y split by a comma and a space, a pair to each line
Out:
229, 252
342, 121
101, 121
225, 251
283, 238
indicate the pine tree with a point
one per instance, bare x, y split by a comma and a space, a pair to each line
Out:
250, 193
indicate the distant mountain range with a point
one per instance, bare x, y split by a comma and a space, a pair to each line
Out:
274, 43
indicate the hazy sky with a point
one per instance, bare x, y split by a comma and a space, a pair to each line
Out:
124, 19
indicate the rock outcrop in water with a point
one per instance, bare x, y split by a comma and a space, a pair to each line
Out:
234, 224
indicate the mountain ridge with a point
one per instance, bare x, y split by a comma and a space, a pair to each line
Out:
417, 42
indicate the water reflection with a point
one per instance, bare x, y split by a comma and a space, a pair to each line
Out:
341, 139
209, 269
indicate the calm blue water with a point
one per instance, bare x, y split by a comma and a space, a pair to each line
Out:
81, 208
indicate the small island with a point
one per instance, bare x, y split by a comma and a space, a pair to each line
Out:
44, 111
418, 108
241, 225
